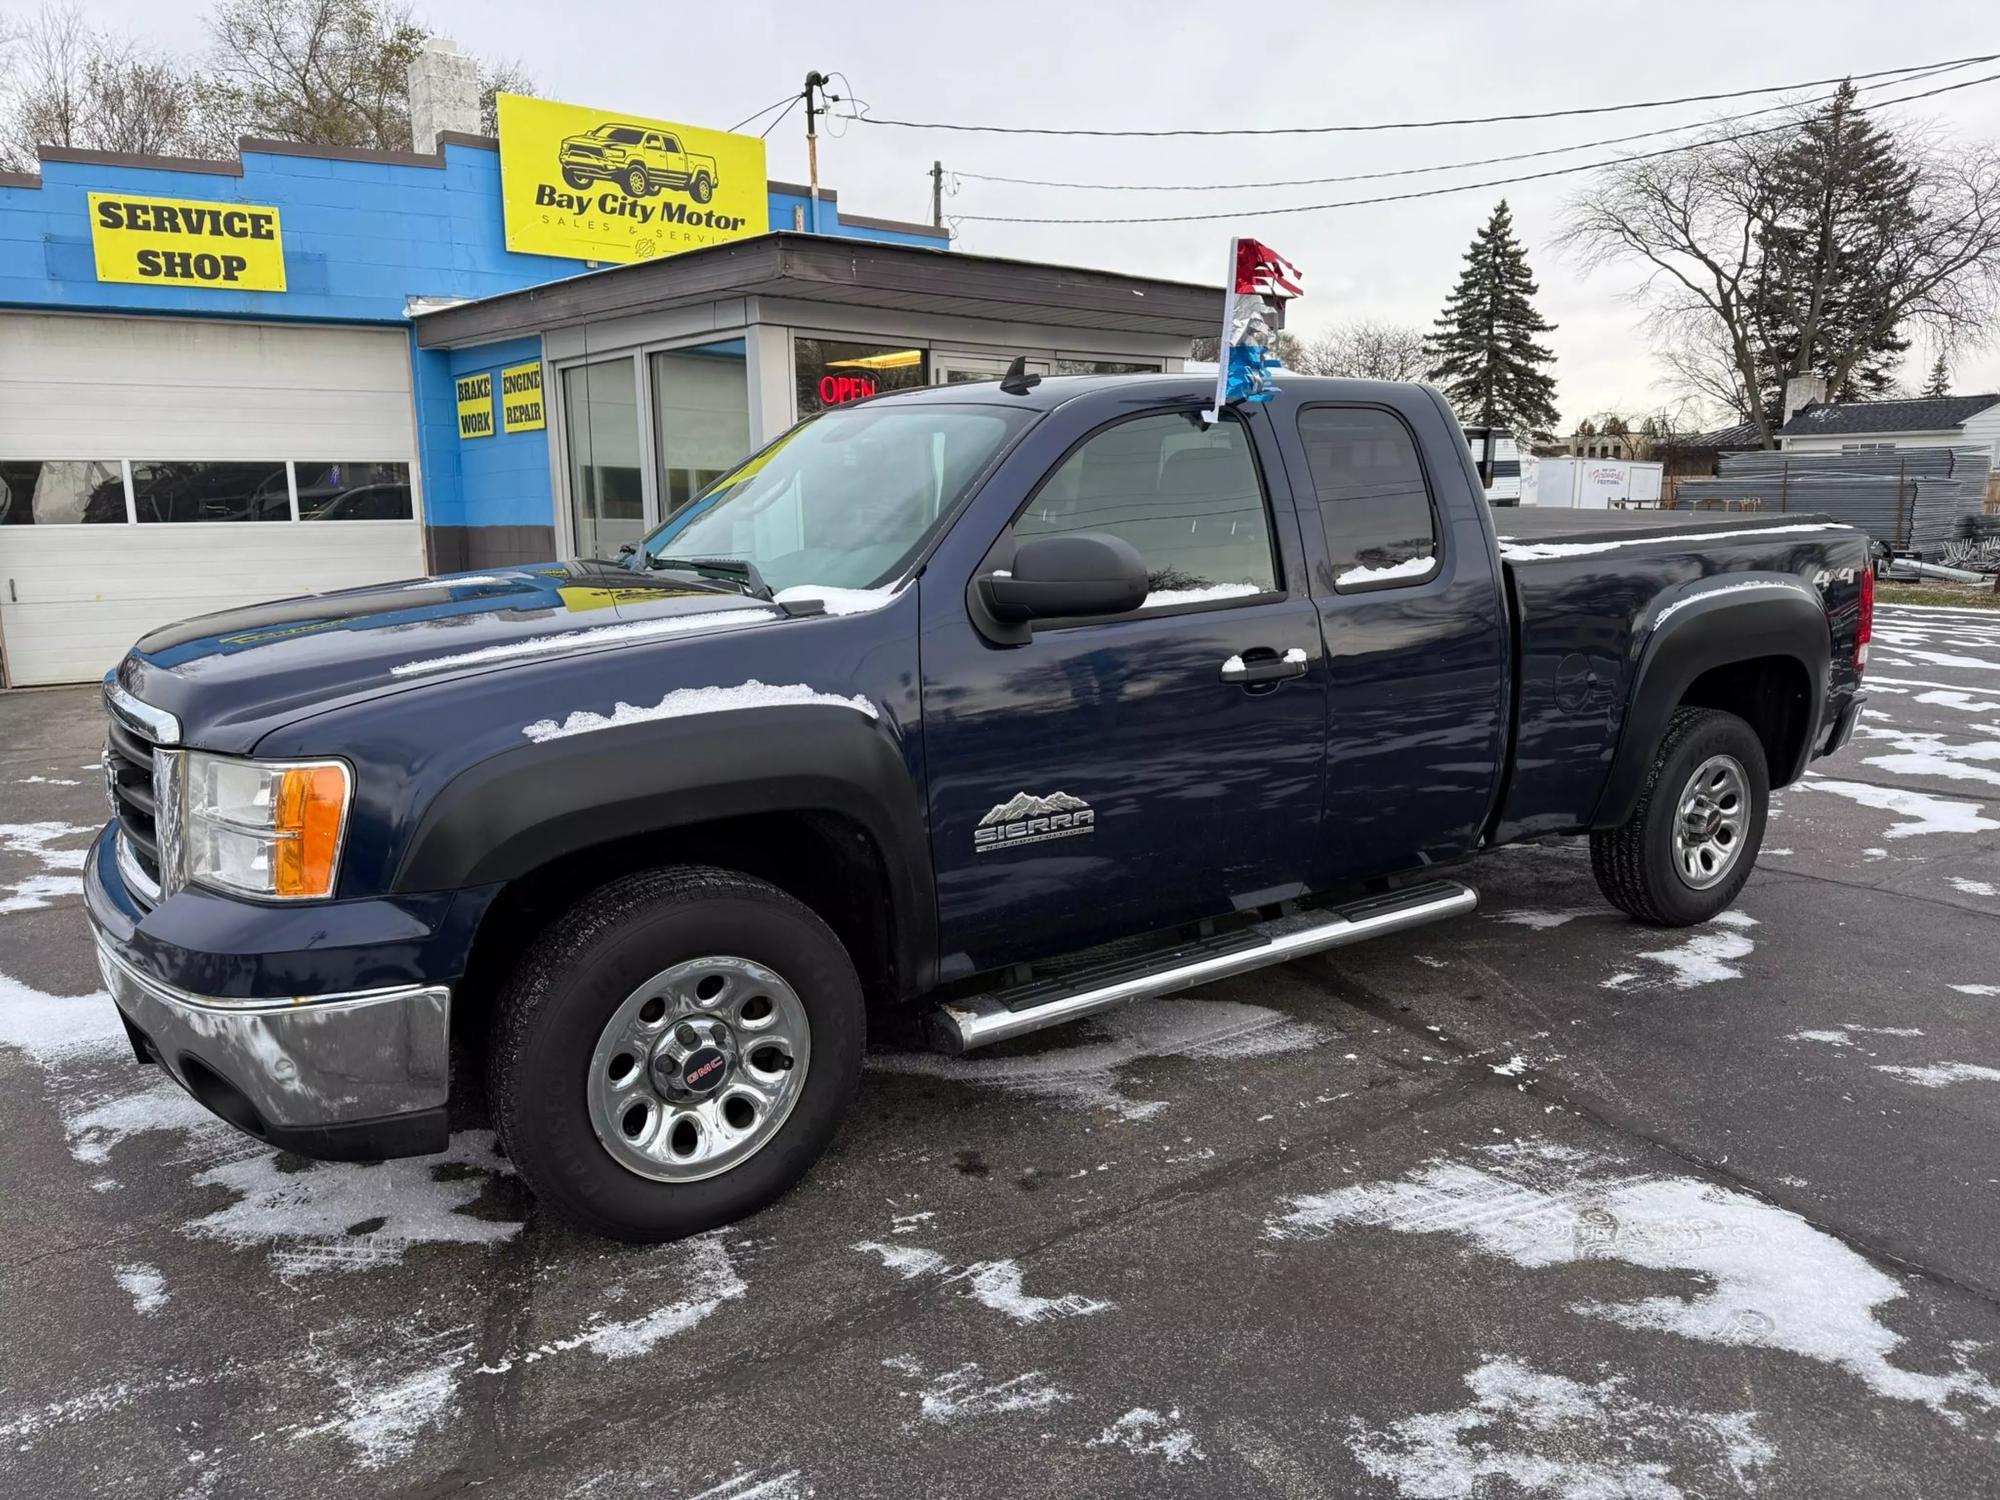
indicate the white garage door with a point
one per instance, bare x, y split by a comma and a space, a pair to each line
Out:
152, 469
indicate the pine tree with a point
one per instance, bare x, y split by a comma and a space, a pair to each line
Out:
1842, 193
1940, 382
1483, 353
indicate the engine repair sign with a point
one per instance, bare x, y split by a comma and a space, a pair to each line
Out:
591, 185
235, 247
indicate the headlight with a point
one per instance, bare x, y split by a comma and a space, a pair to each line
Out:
265, 828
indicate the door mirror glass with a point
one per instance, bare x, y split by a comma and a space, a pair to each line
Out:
1066, 576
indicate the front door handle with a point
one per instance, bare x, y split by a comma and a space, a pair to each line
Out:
1264, 665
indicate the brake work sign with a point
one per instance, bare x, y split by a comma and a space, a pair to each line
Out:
235, 247
589, 185
475, 406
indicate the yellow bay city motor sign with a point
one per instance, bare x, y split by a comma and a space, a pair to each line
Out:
595, 186
187, 242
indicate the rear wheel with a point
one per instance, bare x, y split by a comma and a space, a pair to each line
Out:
702, 188
1692, 840
675, 1052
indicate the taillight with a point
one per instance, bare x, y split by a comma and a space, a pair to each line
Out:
1864, 630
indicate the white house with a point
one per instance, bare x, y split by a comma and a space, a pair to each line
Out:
1919, 422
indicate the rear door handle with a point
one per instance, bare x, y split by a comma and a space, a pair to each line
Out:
1264, 665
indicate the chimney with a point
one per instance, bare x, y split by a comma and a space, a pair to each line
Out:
1801, 391
444, 93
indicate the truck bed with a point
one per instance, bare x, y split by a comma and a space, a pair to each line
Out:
1581, 584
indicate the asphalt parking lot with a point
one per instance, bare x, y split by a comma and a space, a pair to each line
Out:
1537, 1202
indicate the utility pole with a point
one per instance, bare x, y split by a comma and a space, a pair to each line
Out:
815, 84
937, 195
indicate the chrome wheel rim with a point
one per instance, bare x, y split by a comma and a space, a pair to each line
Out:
1711, 821
698, 1069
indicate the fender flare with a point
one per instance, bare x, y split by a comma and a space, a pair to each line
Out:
1712, 622
503, 817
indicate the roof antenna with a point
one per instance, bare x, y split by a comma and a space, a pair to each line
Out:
1017, 381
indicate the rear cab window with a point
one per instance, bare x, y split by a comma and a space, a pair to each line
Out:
1374, 502
1188, 498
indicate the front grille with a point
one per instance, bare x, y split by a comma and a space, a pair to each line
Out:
128, 772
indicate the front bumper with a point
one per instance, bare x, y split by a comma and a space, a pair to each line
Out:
353, 1075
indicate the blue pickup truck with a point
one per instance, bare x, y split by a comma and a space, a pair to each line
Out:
1006, 702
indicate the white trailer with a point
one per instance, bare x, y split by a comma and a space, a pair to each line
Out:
1596, 483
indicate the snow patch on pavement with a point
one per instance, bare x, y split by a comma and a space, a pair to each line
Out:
1540, 1434
1977, 989
145, 1286
1844, 1034
991, 1283
1974, 887
961, 1394
1543, 921
1147, 1434
41, 888
1922, 813
1709, 957
1764, 1276
332, 1217
1082, 1075
1942, 1075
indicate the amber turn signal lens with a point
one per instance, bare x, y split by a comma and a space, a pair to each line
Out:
309, 808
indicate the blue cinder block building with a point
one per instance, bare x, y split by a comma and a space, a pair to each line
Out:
135, 416
347, 365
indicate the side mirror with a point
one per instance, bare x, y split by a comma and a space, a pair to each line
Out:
1077, 573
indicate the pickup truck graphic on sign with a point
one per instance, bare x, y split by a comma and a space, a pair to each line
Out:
639, 160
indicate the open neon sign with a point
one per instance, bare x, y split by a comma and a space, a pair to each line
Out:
838, 390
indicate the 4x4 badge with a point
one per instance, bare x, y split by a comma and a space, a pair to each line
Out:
1027, 819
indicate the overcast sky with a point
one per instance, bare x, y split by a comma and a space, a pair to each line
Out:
1161, 63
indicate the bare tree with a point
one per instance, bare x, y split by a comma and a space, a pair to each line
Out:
1704, 222
508, 76
1366, 349
64, 84
321, 72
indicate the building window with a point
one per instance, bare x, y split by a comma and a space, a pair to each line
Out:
1106, 367
353, 491
833, 373
701, 418
186, 490
1372, 497
601, 423
61, 492
1188, 499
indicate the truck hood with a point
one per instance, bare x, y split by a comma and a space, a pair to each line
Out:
233, 676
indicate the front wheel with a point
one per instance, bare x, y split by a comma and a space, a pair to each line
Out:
576, 179
1691, 842
675, 1052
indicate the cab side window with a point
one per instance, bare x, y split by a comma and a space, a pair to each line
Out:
670, 143
1188, 499
1373, 500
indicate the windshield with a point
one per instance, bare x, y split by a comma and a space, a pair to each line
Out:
844, 500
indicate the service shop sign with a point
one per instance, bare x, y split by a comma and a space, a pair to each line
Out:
475, 406
589, 185
232, 247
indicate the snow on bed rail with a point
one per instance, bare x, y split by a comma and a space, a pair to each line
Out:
684, 702
1517, 551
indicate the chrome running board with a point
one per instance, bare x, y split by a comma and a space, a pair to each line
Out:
957, 1026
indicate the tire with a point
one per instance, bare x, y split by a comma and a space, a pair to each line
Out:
702, 188
547, 1082
576, 179
637, 183
1638, 865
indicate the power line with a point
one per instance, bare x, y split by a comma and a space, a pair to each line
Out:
788, 99
790, 105
1549, 114
1463, 187
1456, 166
